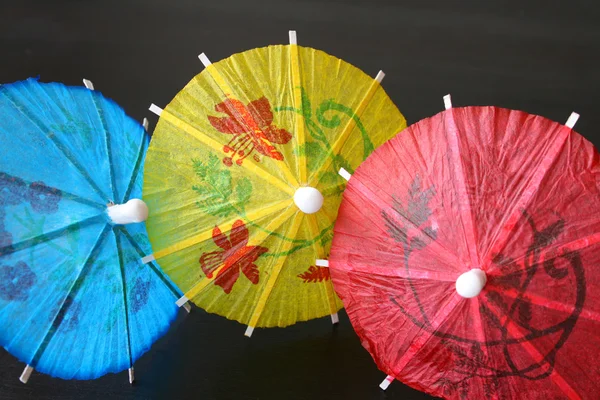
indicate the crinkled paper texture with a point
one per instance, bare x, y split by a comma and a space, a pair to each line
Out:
75, 299
477, 187
230, 149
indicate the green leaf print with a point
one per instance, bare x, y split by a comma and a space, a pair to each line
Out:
214, 188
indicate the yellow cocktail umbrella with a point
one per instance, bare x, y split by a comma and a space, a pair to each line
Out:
241, 179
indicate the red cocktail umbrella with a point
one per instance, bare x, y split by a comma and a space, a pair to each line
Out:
466, 252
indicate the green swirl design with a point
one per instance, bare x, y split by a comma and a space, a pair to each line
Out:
222, 197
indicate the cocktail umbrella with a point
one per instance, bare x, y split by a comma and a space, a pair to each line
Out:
241, 179
466, 252
75, 300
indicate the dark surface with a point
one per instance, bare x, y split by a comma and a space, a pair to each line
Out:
537, 56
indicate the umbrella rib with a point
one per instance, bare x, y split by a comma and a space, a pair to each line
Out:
111, 174
348, 128
464, 203
24, 244
226, 90
136, 169
58, 145
372, 197
358, 267
556, 378
555, 250
153, 265
503, 232
203, 236
205, 281
177, 171
70, 196
479, 324
422, 339
275, 271
82, 200
64, 307
298, 104
125, 305
314, 228
542, 301
205, 139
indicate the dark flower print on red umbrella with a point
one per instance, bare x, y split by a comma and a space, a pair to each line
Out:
235, 256
252, 129
488, 287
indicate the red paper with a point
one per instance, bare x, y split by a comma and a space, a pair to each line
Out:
513, 194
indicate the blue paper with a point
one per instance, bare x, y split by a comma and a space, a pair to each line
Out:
75, 300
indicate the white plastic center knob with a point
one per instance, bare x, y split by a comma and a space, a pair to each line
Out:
308, 199
470, 283
135, 210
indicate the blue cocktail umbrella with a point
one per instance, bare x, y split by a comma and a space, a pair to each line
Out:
75, 300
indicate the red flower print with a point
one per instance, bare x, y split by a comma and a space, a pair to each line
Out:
315, 274
235, 256
252, 129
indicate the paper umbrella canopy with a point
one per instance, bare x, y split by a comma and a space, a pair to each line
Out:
241, 179
467, 253
75, 299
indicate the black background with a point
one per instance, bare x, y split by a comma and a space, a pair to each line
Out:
537, 56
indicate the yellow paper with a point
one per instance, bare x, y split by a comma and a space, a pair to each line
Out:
225, 160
